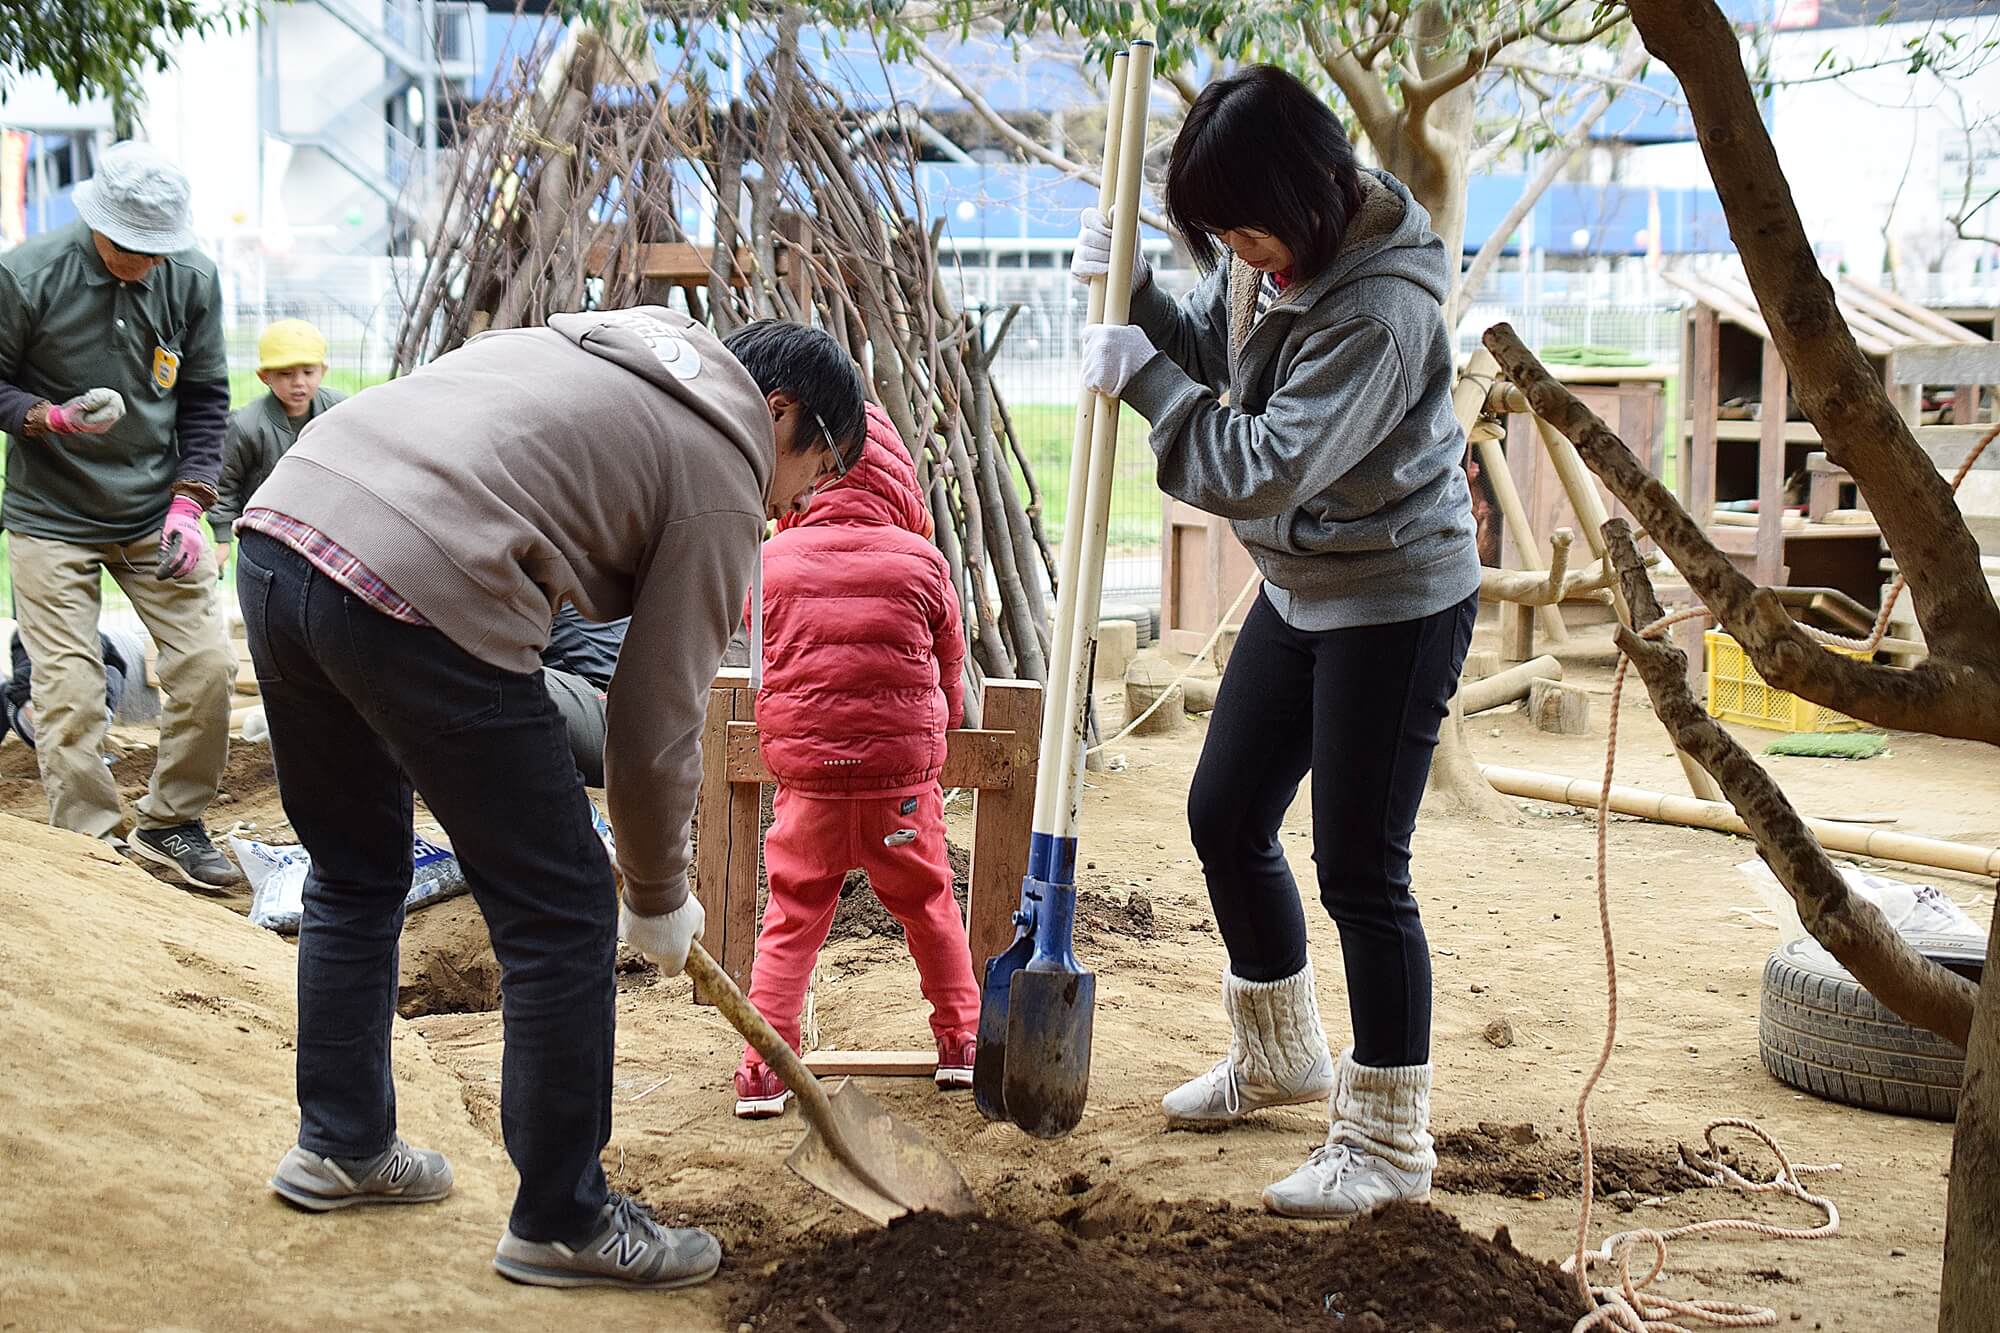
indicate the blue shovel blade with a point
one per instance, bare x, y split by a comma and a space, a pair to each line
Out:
1046, 1079
989, 1065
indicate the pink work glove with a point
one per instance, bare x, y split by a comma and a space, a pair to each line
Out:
90, 413
181, 542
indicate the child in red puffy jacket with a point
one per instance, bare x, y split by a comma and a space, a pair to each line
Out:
863, 654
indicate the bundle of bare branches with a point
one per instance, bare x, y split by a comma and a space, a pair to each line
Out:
570, 190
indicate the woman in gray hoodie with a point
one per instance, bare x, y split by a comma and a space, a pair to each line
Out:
1303, 392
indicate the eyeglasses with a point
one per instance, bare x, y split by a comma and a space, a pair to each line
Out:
132, 254
839, 463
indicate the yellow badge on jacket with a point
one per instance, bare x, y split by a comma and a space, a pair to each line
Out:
166, 369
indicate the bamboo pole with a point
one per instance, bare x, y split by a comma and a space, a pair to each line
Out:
1057, 706
1467, 399
1589, 508
1505, 687
1095, 526
1688, 812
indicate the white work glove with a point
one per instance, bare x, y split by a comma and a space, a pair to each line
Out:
1112, 355
89, 413
664, 939
1092, 257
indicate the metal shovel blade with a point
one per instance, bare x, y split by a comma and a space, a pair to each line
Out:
989, 1062
895, 1169
1047, 1075
853, 1149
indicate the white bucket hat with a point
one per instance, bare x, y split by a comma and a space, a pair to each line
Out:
139, 200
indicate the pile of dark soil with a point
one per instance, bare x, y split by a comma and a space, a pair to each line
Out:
1407, 1269
1514, 1160
1102, 914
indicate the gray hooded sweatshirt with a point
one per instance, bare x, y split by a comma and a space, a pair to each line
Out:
614, 461
1337, 456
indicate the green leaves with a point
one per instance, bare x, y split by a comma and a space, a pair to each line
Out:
102, 48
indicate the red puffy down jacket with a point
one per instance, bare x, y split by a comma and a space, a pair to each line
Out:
863, 650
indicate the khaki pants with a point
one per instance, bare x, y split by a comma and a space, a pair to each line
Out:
56, 598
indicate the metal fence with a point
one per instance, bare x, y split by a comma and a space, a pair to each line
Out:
357, 304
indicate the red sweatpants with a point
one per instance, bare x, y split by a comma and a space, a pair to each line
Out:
813, 843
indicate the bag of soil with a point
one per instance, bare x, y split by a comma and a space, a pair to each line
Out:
277, 876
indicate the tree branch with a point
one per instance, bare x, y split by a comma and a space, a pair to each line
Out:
1420, 93
1622, 82
1363, 91
1833, 382
1850, 927
1026, 145
1941, 695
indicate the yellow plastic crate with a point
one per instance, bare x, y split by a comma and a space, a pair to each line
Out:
1736, 693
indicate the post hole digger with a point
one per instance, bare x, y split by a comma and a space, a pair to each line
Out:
1037, 1001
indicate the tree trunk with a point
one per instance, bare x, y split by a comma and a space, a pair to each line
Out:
1972, 1222
1456, 786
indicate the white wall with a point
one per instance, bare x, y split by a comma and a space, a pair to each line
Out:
1866, 153
202, 112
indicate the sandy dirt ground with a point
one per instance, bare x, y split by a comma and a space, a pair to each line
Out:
145, 1074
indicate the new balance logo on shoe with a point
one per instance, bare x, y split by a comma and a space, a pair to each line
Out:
623, 1248
398, 1167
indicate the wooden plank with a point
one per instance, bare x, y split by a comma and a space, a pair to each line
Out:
1001, 822
662, 261
1770, 568
1946, 329
1697, 466
711, 853
871, 1064
746, 853
1720, 302
981, 759
1946, 363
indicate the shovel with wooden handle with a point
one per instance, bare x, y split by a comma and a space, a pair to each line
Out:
854, 1149
1038, 1002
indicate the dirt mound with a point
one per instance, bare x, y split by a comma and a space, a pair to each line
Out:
146, 1092
1513, 1160
449, 967
249, 778
1101, 914
1409, 1268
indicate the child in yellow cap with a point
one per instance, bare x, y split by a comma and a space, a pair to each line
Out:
291, 361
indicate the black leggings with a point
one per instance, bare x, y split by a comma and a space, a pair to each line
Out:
1360, 708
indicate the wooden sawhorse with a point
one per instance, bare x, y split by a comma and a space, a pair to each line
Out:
996, 762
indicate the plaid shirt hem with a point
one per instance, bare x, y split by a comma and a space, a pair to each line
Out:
333, 560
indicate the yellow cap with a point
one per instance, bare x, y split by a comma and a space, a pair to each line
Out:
288, 343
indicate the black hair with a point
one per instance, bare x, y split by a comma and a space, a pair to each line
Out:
1260, 150
810, 366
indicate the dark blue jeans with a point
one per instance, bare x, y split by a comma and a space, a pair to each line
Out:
1360, 708
362, 708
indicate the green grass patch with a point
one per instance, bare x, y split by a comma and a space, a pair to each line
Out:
1047, 435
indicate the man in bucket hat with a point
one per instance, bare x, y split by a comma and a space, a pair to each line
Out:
114, 392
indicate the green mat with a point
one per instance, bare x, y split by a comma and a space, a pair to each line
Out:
1580, 355
1831, 745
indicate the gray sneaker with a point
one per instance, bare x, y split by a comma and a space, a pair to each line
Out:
400, 1175
1339, 1181
185, 850
628, 1249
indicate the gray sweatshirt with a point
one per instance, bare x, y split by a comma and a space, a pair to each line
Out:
1337, 456
615, 461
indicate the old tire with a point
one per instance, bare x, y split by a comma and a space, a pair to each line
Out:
1819, 1031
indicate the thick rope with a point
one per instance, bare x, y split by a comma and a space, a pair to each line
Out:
1627, 1306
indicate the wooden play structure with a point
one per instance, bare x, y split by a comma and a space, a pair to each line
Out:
1202, 568
1754, 473
995, 762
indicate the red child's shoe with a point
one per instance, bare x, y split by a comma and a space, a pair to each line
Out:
760, 1093
954, 1062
